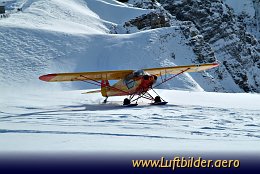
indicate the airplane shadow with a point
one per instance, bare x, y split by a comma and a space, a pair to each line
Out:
81, 108
109, 106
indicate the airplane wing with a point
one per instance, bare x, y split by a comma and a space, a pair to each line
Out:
177, 69
120, 74
82, 76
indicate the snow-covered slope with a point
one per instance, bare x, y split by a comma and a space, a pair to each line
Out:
63, 36
65, 16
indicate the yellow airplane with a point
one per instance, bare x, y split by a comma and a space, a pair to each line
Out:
134, 84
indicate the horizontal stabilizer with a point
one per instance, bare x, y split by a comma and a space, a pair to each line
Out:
91, 92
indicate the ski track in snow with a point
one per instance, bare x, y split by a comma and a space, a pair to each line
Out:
207, 122
183, 116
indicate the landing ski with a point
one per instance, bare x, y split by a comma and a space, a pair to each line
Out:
131, 105
159, 103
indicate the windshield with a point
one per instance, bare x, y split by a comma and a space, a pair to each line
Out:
129, 81
139, 73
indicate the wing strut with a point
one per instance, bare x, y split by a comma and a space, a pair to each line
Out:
97, 83
167, 79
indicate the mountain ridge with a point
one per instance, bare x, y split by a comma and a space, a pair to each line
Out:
217, 32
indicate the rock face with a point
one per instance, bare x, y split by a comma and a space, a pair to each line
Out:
148, 4
257, 15
149, 21
215, 33
237, 49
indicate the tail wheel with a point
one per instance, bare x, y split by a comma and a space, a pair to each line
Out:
126, 101
157, 99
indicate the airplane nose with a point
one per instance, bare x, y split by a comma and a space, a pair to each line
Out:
151, 78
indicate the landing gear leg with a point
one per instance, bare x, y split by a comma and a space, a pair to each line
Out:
105, 101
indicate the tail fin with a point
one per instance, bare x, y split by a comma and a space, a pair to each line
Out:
104, 87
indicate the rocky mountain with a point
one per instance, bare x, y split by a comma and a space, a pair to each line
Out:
216, 30
257, 15
47, 36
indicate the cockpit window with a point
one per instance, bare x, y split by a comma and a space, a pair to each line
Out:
139, 73
130, 83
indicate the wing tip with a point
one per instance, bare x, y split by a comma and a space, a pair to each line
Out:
215, 64
47, 77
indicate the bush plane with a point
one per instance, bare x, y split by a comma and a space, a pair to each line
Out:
134, 84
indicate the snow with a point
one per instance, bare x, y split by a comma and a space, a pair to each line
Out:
51, 36
73, 36
50, 52
64, 16
240, 6
70, 121
117, 13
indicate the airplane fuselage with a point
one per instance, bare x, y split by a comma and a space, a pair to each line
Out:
131, 84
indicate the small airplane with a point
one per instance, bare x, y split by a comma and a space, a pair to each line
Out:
134, 84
